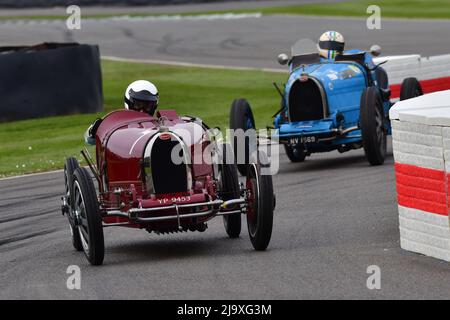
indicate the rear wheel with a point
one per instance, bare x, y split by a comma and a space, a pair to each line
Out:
241, 118
260, 207
410, 88
230, 190
69, 168
86, 209
372, 123
295, 154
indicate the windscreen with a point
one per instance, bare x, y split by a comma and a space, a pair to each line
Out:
304, 52
303, 46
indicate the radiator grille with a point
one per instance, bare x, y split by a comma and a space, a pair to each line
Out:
305, 101
168, 176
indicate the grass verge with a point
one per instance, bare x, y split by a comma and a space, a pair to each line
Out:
433, 9
43, 144
429, 9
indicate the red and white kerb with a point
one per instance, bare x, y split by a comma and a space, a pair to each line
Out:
421, 144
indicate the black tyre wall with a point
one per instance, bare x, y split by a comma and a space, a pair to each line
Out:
48, 80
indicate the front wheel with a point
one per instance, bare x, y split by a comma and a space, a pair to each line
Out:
229, 189
89, 221
260, 206
295, 154
244, 138
373, 128
69, 169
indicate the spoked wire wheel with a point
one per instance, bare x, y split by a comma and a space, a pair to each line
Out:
69, 168
373, 126
252, 204
260, 206
242, 120
89, 222
380, 129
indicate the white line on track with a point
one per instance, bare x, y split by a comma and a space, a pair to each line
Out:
188, 64
222, 16
160, 18
31, 175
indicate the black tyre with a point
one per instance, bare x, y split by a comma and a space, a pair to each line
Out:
230, 190
410, 88
295, 154
241, 117
373, 128
69, 168
382, 78
90, 223
260, 207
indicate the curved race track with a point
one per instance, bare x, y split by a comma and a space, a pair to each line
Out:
335, 214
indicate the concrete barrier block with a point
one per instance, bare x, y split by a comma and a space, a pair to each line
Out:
417, 128
417, 138
418, 149
421, 144
428, 101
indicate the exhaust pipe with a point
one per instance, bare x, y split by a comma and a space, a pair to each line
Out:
348, 130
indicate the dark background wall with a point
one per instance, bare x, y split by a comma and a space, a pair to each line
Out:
49, 79
50, 3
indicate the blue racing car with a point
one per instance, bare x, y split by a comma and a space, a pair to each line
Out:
339, 103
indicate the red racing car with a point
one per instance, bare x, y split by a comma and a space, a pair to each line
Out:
161, 174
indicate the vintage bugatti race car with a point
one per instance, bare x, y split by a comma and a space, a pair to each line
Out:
164, 174
339, 104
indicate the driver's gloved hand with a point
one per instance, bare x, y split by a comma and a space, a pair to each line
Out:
93, 128
89, 135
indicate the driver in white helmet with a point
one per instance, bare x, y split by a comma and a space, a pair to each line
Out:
331, 43
140, 95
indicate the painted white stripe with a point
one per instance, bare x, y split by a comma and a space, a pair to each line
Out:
417, 149
417, 128
400, 68
188, 64
209, 17
419, 161
424, 233
146, 132
31, 175
159, 18
418, 138
423, 68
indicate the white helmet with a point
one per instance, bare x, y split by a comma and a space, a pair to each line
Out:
331, 43
142, 95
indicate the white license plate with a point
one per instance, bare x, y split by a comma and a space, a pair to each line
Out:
310, 139
302, 140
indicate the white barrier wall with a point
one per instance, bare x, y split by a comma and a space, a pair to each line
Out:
421, 143
432, 72
423, 68
400, 67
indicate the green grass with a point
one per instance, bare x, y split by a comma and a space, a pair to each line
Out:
203, 92
433, 9
389, 8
